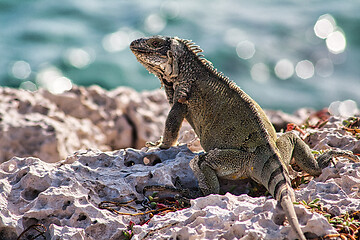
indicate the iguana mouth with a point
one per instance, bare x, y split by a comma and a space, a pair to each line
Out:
140, 50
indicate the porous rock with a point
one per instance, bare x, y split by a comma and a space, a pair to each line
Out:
333, 136
51, 126
37, 188
64, 196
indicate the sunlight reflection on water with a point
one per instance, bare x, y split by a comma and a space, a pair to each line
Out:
257, 46
245, 49
284, 69
304, 69
345, 108
336, 42
52, 79
120, 40
21, 69
260, 72
324, 67
78, 57
326, 28
154, 23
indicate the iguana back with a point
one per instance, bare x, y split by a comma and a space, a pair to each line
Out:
223, 116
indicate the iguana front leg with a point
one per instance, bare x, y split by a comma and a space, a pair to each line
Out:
169, 91
291, 146
172, 126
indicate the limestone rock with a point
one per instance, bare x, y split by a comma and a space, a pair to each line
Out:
64, 196
280, 119
230, 217
333, 136
50, 126
45, 185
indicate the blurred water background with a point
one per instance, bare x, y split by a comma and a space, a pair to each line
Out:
286, 54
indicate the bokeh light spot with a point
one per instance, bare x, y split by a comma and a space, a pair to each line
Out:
233, 36
336, 42
21, 70
116, 41
324, 26
154, 23
170, 9
304, 69
60, 85
52, 80
284, 69
78, 57
245, 49
28, 85
260, 72
345, 108
324, 67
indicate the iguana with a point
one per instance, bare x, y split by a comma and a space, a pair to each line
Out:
238, 138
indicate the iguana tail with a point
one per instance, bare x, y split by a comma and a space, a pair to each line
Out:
286, 198
275, 178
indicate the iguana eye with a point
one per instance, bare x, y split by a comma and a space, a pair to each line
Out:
156, 43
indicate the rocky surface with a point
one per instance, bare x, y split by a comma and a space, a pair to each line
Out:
333, 135
64, 196
53, 174
51, 126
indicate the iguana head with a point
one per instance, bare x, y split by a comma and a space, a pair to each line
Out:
169, 57
158, 55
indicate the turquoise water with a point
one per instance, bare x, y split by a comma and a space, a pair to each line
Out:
269, 48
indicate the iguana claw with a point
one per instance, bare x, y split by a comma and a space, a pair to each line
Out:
154, 144
326, 158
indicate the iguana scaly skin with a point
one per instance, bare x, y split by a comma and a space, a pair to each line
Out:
238, 138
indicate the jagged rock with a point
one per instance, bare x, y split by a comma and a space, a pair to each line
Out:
52, 126
280, 119
64, 196
44, 184
333, 136
230, 217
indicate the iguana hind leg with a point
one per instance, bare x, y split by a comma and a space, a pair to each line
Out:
291, 146
234, 164
264, 168
224, 163
208, 181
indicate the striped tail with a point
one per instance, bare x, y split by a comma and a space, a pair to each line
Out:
286, 198
274, 177
280, 188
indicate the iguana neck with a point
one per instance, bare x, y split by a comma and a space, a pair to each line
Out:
191, 68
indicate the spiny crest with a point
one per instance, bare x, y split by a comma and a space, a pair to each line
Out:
196, 50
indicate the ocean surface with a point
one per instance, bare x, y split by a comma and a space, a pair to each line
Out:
285, 54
